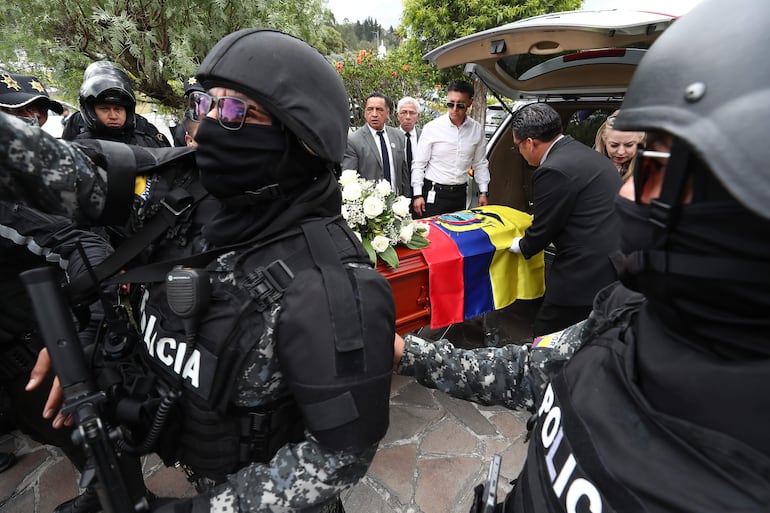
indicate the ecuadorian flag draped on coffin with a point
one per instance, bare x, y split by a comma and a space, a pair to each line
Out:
471, 271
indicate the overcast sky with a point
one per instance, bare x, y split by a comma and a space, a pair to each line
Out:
388, 12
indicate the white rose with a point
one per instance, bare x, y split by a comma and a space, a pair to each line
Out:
406, 232
344, 212
401, 207
373, 206
380, 243
383, 188
351, 192
348, 176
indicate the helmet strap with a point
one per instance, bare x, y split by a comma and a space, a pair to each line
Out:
664, 209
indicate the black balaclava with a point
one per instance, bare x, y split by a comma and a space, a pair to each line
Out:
703, 333
708, 275
233, 162
265, 178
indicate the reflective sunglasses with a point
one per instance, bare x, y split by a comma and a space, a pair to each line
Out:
231, 111
647, 162
452, 105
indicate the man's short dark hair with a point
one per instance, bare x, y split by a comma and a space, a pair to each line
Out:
378, 94
537, 121
461, 86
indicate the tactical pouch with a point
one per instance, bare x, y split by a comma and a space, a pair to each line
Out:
16, 359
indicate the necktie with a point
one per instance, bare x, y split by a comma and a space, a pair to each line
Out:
409, 150
385, 158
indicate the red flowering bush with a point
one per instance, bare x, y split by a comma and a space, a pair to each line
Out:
364, 72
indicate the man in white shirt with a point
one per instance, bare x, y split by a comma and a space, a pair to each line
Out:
376, 151
449, 147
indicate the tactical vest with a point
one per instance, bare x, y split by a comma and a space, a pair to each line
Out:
598, 445
298, 335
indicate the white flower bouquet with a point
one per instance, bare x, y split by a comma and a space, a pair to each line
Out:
379, 217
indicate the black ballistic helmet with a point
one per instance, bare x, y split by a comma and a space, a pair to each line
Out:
705, 81
105, 82
291, 79
101, 68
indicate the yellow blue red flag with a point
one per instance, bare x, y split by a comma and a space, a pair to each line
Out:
471, 271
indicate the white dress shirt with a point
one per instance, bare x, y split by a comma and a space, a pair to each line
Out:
446, 152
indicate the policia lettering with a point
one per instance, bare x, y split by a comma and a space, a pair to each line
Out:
569, 482
167, 350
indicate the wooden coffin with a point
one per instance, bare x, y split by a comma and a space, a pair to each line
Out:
409, 282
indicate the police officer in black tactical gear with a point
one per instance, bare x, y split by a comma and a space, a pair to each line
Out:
664, 406
27, 233
26, 97
278, 388
29, 239
308, 364
184, 132
106, 86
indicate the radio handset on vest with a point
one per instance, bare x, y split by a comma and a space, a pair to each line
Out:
188, 292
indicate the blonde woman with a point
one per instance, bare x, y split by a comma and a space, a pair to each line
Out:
620, 147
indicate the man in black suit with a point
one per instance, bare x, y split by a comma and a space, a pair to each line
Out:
408, 113
574, 200
376, 151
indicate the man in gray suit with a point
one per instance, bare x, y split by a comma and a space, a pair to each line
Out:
376, 150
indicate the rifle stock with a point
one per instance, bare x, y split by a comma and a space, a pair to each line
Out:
81, 398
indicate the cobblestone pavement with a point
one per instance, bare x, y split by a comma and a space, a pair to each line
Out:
436, 449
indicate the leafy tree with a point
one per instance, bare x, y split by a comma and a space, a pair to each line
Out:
159, 42
364, 72
428, 24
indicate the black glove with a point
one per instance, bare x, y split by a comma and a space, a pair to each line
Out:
197, 504
478, 493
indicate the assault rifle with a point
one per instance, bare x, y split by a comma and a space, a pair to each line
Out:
81, 398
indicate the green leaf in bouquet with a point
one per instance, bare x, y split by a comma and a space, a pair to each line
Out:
390, 257
369, 249
417, 242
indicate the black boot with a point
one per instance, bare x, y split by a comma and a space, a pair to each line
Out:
7, 459
86, 502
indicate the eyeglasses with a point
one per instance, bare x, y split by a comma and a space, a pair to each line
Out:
517, 145
647, 163
231, 111
452, 105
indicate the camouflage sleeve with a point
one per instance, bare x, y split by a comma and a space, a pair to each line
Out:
300, 477
53, 237
512, 376
48, 174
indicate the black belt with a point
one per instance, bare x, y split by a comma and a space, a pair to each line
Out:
441, 187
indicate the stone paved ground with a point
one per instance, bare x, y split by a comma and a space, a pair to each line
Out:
436, 449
